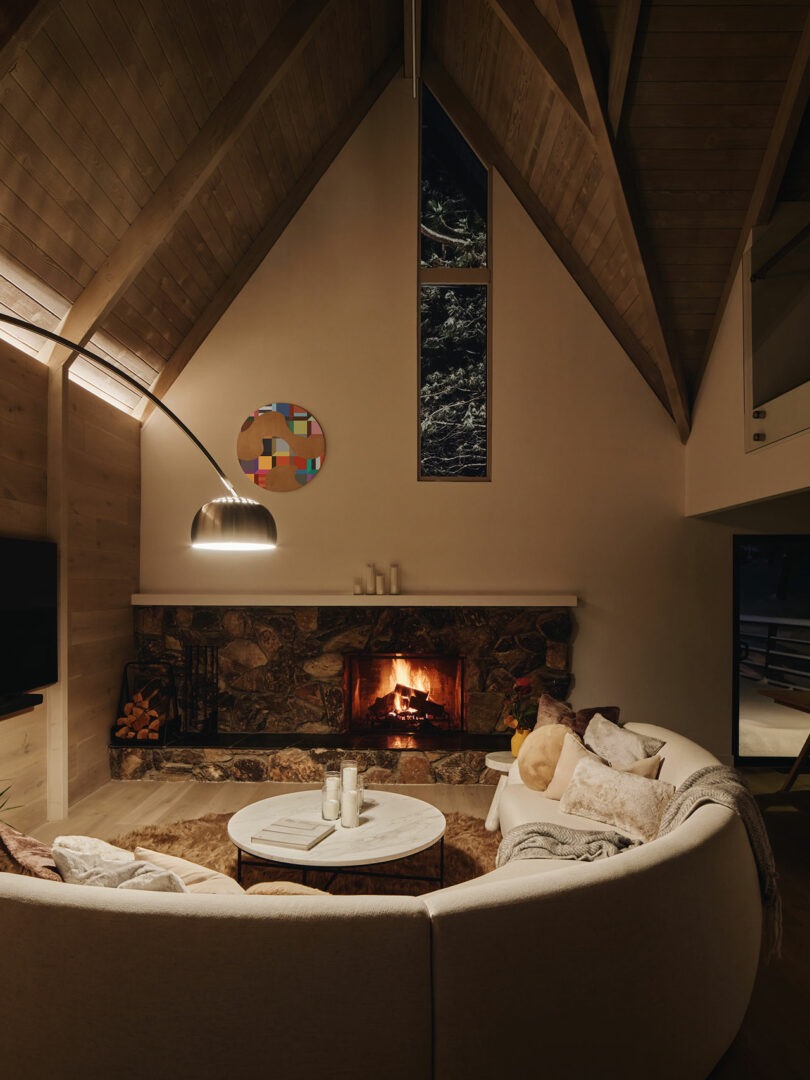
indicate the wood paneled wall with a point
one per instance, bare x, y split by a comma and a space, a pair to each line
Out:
23, 452
102, 476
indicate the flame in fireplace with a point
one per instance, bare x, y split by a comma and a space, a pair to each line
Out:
404, 673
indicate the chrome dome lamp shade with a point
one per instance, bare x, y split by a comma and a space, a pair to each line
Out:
229, 523
232, 523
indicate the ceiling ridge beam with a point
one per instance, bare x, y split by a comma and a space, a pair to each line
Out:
22, 36
538, 39
771, 172
178, 188
621, 54
275, 226
489, 149
668, 362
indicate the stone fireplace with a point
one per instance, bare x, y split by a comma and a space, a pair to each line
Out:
415, 700
287, 685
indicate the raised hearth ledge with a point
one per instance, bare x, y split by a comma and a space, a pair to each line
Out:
529, 600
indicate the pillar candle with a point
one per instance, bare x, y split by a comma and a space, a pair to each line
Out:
332, 787
349, 813
358, 587
394, 579
370, 578
331, 809
380, 584
349, 777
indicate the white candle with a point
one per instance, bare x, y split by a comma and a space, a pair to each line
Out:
331, 809
358, 587
349, 777
349, 812
394, 577
370, 578
380, 584
333, 787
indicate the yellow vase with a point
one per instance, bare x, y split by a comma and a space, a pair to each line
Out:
518, 739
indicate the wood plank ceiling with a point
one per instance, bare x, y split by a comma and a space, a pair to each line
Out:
152, 151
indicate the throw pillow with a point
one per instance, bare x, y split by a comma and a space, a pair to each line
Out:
551, 711
25, 855
283, 888
648, 766
630, 803
539, 755
572, 753
196, 878
617, 745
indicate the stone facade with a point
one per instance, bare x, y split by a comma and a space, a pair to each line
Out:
281, 669
296, 765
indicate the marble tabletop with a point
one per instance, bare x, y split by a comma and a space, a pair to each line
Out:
391, 827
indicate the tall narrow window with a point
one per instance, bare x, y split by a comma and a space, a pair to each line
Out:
454, 286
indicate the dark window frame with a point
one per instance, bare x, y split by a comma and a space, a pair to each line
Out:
448, 275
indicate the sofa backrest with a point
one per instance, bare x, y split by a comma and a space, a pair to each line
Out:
681, 756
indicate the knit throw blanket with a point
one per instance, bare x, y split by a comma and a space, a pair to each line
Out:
542, 840
720, 784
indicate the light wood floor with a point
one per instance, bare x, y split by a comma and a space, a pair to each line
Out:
121, 805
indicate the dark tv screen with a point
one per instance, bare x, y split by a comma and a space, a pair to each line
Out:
28, 626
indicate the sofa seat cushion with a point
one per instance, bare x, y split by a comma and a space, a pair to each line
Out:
516, 869
196, 878
519, 805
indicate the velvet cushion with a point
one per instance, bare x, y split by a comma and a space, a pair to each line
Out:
539, 754
196, 878
283, 888
552, 711
25, 855
648, 766
573, 752
632, 804
617, 745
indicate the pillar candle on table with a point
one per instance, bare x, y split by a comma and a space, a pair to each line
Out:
349, 811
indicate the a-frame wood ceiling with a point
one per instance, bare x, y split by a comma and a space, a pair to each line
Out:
152, 151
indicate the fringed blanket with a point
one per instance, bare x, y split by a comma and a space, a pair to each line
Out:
720, 784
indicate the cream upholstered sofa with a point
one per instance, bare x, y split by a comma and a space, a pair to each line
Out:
639, 965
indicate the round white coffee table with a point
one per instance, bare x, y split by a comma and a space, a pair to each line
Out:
392, 827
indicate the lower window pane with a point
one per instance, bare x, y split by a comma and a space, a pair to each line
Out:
453, 382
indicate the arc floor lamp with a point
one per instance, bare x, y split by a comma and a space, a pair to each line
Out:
229, 523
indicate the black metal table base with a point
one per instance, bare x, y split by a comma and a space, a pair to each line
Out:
243, 860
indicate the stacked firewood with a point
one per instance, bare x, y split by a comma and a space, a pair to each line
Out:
139, 720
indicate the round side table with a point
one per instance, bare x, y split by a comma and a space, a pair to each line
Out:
501, 761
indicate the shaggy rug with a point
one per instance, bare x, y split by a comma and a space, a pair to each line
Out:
469, 851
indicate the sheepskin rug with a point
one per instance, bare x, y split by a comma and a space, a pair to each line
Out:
469, 851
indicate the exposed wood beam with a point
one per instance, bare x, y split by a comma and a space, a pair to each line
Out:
537, 38
276, 225
668, 363
14, 41
205, 152
774, 162
490, 151
412, 40
621, 53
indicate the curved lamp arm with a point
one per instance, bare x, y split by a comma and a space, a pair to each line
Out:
34, 329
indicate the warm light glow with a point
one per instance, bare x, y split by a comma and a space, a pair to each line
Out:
405, 673
232, 546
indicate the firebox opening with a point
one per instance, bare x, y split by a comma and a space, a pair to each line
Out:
404, 694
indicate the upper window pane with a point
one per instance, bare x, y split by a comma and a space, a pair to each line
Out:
454, 193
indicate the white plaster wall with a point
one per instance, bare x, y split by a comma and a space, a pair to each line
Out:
719, 472
587, 479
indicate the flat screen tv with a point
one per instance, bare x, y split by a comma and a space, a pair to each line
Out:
28, 626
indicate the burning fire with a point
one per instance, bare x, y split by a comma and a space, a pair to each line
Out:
409, 676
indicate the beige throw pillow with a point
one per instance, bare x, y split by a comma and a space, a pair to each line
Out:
196, 878
573, 752
284, 888
539, 754
631, 803
617, 745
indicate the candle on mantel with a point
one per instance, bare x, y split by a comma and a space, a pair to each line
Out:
380, 584
394, 579
358, 587
370, 578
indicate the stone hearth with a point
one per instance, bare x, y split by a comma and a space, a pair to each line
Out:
281, 692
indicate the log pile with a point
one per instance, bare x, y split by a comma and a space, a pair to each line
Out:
140, 721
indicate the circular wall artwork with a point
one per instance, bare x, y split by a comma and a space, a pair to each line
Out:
281, 446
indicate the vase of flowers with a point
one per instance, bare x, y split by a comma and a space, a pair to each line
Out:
521, 713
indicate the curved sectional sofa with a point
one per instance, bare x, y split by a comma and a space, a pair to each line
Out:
635, 966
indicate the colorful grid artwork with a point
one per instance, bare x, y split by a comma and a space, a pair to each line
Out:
281, 446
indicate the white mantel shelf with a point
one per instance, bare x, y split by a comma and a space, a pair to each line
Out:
350, 600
